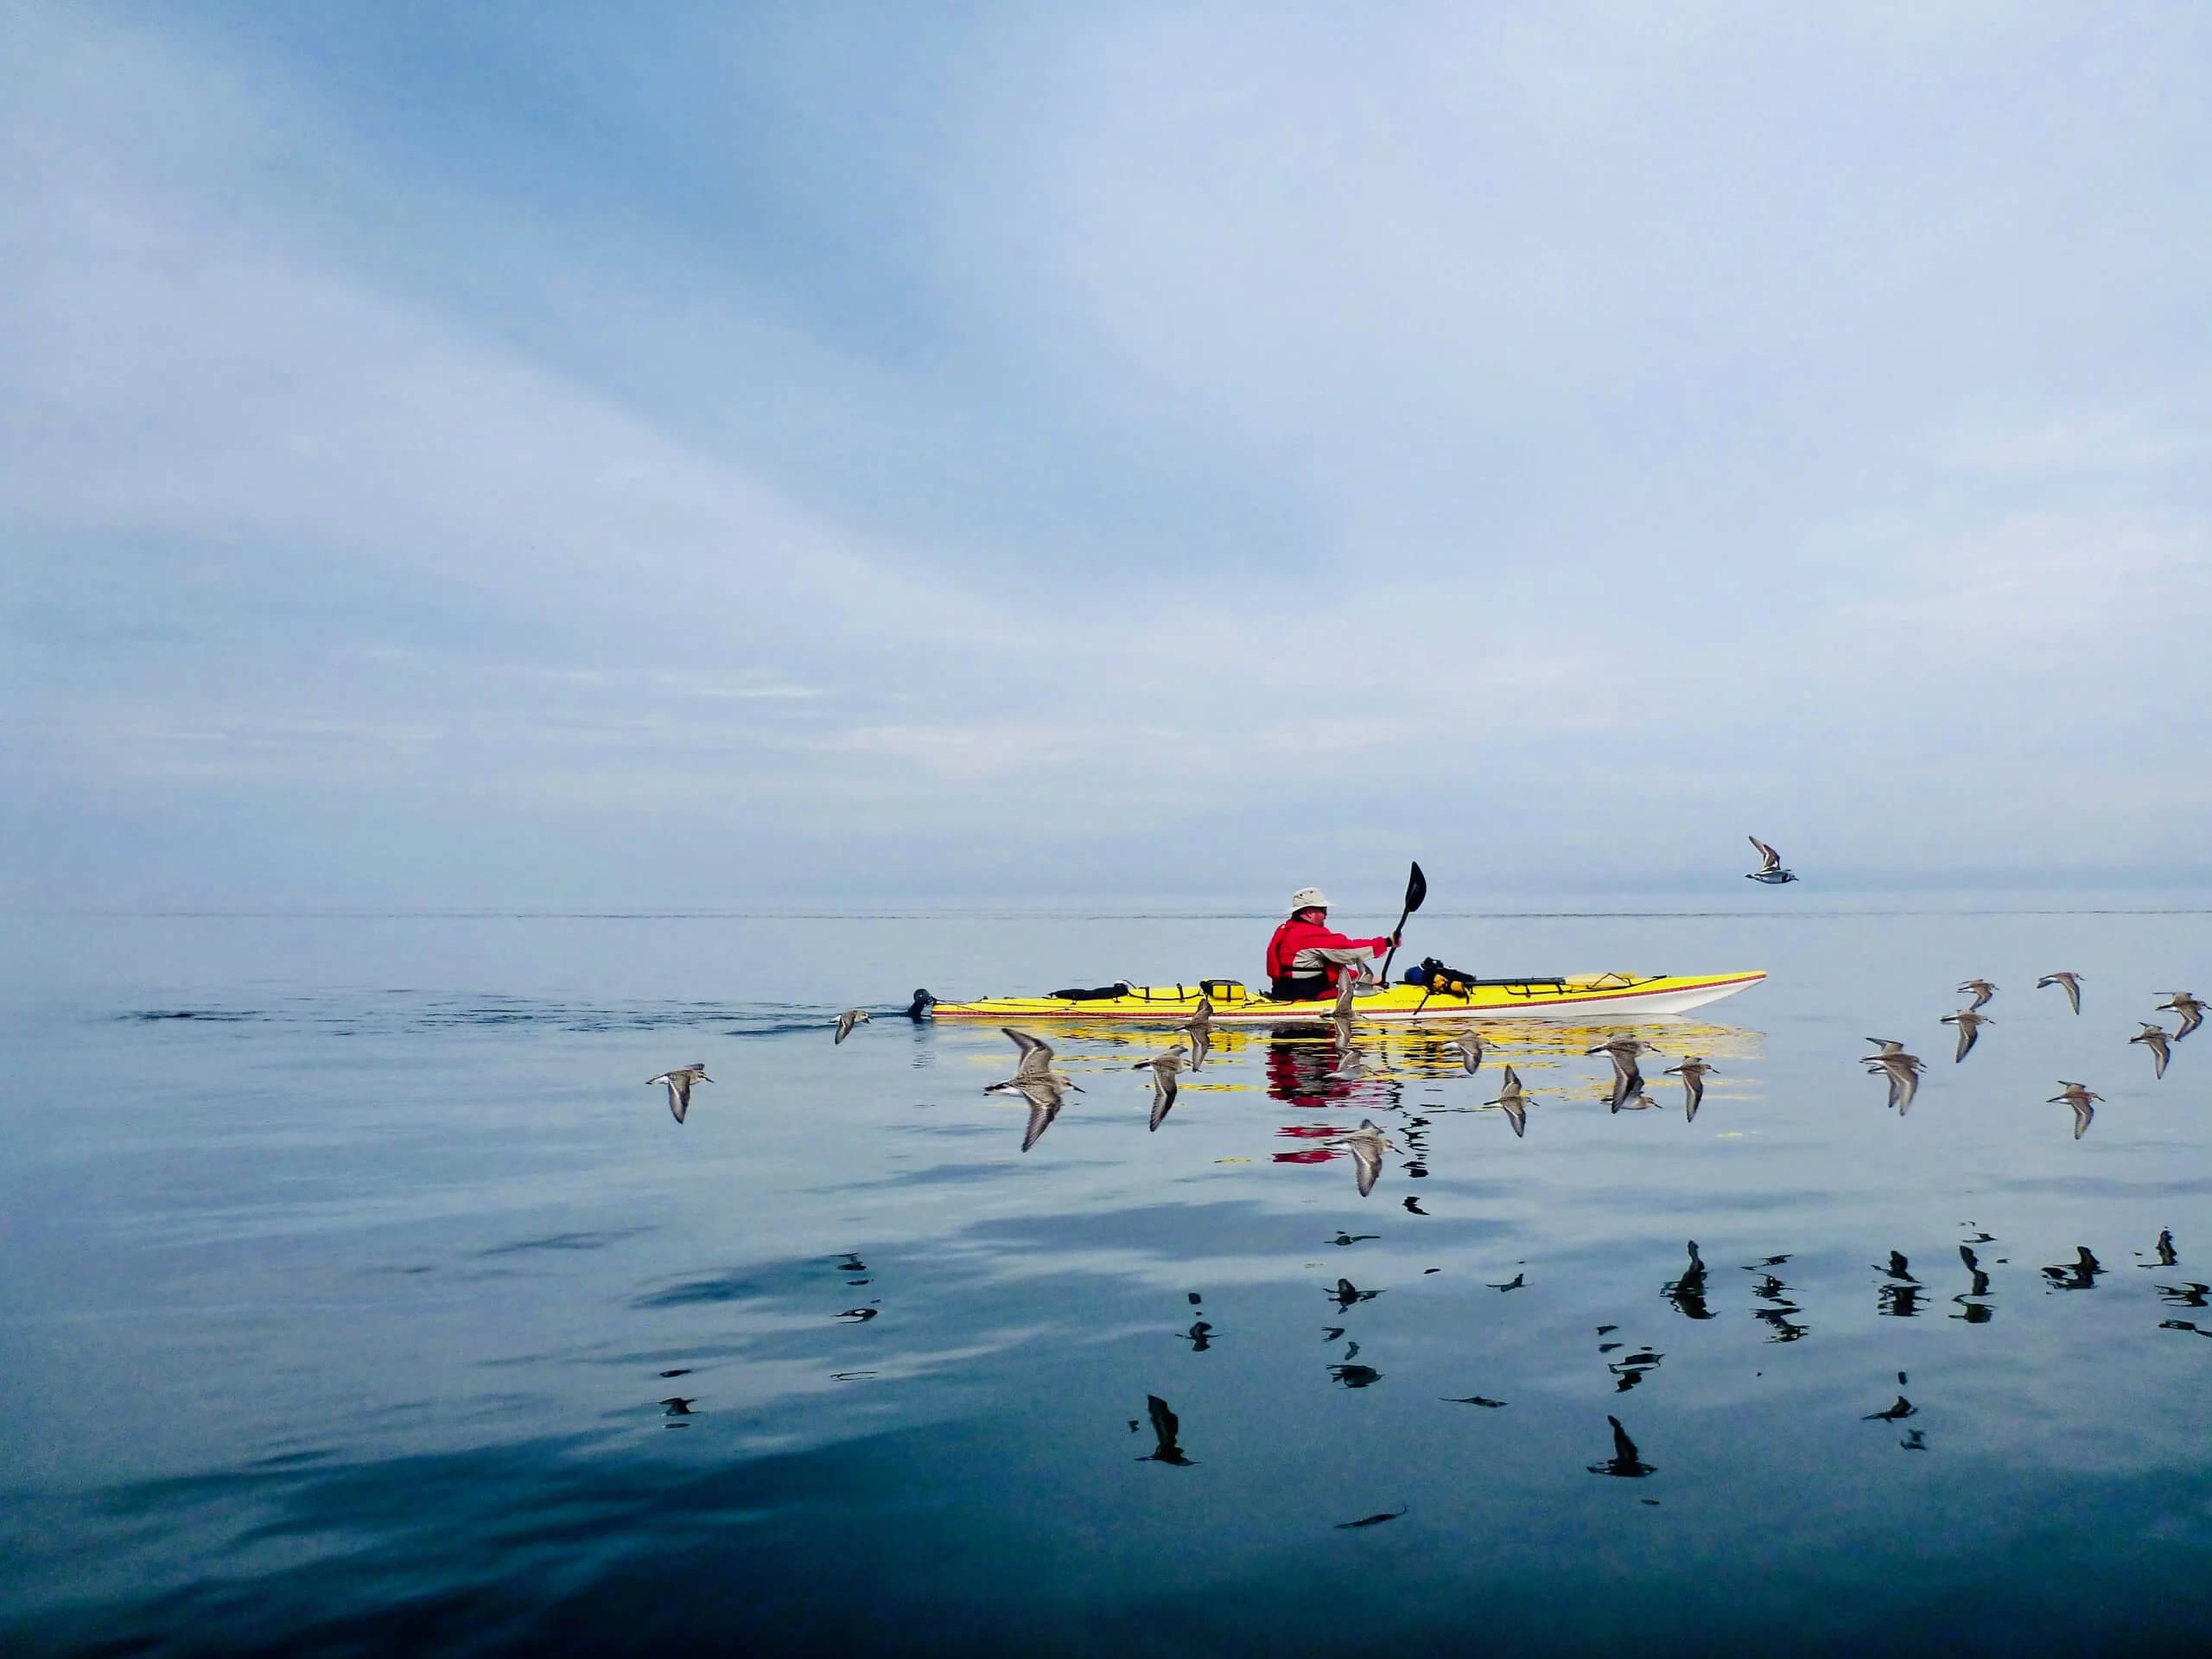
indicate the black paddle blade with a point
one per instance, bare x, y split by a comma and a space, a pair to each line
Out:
1416, 890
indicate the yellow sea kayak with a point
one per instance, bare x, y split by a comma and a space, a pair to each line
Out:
1573, 995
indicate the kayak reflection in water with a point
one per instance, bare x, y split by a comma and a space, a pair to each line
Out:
1305, 960
1297, 1070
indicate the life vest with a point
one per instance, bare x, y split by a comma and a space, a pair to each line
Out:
1287, 981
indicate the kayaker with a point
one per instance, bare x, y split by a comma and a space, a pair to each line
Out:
1304, 959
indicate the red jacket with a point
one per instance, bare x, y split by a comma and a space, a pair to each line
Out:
1294, 936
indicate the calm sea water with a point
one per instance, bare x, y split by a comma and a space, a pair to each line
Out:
359, 1296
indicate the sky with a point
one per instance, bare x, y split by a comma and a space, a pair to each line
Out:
666, 455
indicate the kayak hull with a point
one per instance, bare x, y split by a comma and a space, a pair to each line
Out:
1577, 996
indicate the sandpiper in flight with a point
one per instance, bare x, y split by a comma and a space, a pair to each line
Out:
1035, 1081
1770, 870
679, 1082
2068, 983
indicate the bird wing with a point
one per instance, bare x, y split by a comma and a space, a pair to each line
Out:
1163, 1094
679, 1093
1904, 1084
1166, 1424
1201, 1045
1627, 1082
2083, 1112
846, 1021
2191, 1018
1369, 1157
1968, 1030
1516, 1114
1693, 1092
1768, 859
1036, 1054
1044, 1099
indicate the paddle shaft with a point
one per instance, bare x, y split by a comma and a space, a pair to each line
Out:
1393, 956
1416, 891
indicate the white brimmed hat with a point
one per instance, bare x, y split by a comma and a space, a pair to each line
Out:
1308, 899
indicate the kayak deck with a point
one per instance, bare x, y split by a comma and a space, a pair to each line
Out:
1604, 995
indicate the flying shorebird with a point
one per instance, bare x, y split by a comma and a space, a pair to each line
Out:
1770, 870
1969, 1024
1627, 1080
2077, 1095
1982, 989
1367, 1144
2155, 1039
1903, 1071
1693, 1072
1515, 1103
1886, 1045
1200, 1028
1349, 1068
2069, 984
2191, 1009
1164, 1068
1468, 1047
1035, 1081
679, 1082
846, 1021
1638, 1103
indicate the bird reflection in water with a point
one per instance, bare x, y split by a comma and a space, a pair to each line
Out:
1416, 1166
1347, 1293
1900, 1299
2164, 1249
1776, 1314
1355, 1376
1370, 1519
1688, 1292
1165, 1426
2080, 1274
1624, 1464
1974, 1311
1200, 1337
1630, 1371
2183, 1295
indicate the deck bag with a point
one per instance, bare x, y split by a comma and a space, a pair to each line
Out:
1434, 977
1096, 993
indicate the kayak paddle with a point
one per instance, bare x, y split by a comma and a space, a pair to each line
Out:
1416, 890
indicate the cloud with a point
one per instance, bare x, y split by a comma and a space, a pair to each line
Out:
1129, 432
